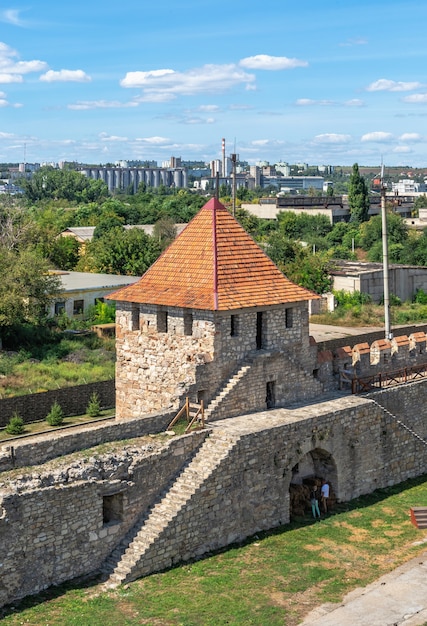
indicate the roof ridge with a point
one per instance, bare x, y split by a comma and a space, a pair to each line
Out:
214, 264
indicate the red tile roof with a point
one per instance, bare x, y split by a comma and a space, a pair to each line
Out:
213, 265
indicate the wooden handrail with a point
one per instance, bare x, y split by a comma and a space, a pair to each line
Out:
187, 409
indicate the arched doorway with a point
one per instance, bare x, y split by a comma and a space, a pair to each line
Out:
314, 466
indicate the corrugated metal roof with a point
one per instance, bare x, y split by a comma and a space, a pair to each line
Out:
80, 281
213, 265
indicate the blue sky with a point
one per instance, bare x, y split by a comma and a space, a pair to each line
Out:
337, 82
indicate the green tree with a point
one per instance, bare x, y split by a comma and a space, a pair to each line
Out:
64, 253
164, 231
358, 196
50, 183
118, 251
371, 232
55, 417
26, 288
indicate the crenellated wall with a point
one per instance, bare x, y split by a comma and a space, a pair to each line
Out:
382, 356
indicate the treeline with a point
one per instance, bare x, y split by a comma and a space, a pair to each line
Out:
305, 247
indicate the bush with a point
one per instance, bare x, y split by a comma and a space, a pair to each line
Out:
15, 425
349, 300
420, 296
93, 408
55, 417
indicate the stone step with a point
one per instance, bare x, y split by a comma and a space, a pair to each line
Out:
123, 560
419, 516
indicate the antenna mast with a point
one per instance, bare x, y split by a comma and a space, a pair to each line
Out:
388, 333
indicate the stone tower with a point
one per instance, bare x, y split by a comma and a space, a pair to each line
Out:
214, 319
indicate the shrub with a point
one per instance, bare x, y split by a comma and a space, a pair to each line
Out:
15, 425
420, 296
350, 300
55, 417
93, 408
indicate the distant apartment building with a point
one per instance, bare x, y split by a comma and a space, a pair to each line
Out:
408, 187
296, 184
125, 178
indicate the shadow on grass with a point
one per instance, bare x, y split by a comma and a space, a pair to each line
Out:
93, 579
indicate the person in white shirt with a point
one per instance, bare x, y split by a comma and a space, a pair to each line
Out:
324, 493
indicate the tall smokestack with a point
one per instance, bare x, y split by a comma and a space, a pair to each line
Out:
224, 173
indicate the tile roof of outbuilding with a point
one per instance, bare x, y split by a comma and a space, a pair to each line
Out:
213, 265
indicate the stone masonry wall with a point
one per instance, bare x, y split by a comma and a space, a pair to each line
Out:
37, 449
57, 514
73, 400
289, 384
156, 368
52, 525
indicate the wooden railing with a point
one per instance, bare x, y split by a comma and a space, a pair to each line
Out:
386, 379
194, 414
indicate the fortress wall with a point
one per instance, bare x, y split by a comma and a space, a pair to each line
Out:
52, 528
34, 450
290, 385
369, 359
356, 448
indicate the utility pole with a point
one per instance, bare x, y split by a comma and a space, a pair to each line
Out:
388, 333
233, 162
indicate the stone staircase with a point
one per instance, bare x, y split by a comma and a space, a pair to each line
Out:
419, 516
145, 549
227, 389
244, 369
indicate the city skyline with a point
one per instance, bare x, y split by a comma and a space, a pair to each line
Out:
327, 84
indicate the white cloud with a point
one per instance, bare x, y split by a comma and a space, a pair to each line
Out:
139, 79
65, 76
7, 79
410, 137
155, 97
6, 135
11, 70
107, 137
334, 138
11, 16
304, 102
157, 141
416, 98
378, 136
355, 102
383, 84
266, 143
401, 149
206, 79
267, 62
357, 41
86, 105
209, 108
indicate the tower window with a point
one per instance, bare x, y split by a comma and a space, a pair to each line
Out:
234, 325
162, 321
112, 508
188, 323
134, 320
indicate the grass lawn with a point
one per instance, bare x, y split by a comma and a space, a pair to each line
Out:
273, 579
52, 366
